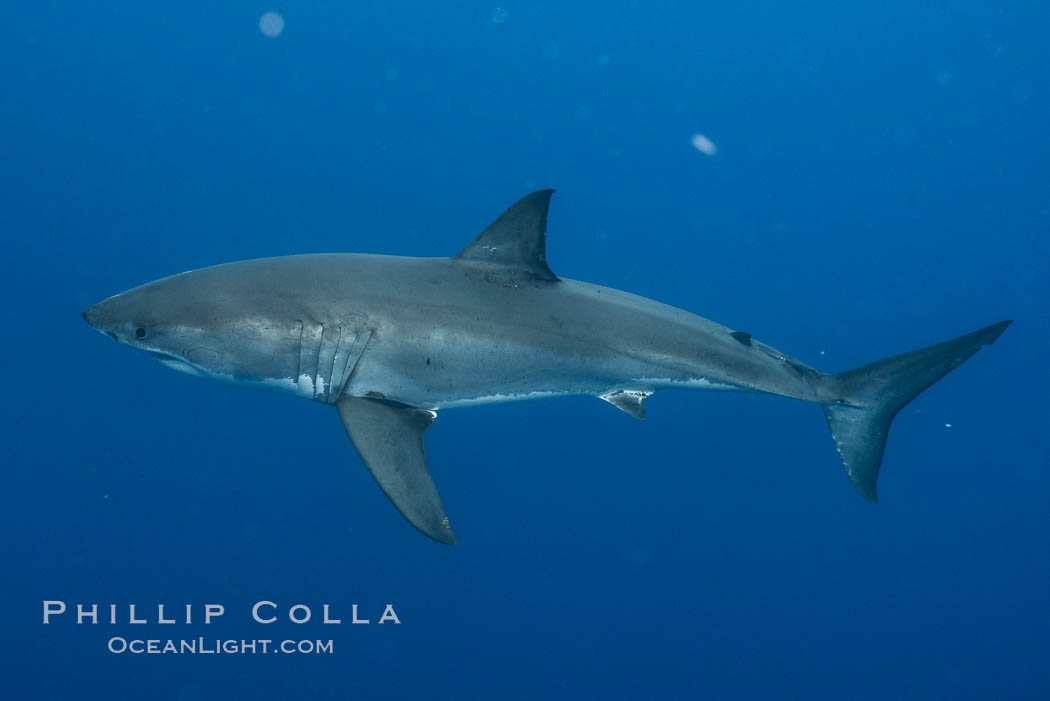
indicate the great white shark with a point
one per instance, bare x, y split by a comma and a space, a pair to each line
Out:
390, 341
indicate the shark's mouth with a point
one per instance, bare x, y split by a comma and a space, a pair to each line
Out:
177, 363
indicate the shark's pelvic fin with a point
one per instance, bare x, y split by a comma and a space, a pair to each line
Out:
869, 397
629, 400
389, 438
517, 239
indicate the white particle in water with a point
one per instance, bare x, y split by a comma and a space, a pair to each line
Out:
704, 145
271, 24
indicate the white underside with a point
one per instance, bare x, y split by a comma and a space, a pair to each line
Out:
304, 386
497, 398
286, 385
642, 386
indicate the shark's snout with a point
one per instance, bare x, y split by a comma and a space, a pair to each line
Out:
97, 317
91, 315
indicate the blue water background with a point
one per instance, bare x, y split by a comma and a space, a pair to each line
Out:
880, 184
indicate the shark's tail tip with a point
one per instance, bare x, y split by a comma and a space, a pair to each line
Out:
996, 330
866, 400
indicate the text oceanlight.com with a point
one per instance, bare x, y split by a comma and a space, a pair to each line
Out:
204, 646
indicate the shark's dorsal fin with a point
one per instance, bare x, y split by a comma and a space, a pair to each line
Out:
517, 239
630, 400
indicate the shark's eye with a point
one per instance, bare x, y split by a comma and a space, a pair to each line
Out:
140, 332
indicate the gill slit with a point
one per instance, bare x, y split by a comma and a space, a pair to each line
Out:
299, 356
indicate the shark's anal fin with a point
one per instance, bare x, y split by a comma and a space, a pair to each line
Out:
630, 400
389, 438
517, 239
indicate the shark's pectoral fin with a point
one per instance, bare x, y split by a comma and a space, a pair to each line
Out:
630, 400
389, 438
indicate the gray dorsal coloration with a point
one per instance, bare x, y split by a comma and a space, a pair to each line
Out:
390, 341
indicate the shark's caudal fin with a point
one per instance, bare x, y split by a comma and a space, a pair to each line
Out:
869, 397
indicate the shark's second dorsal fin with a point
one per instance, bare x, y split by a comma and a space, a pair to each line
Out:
742, 336
517, 239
